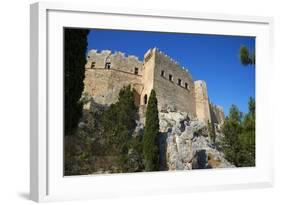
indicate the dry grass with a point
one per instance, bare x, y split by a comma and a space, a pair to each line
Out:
213, 163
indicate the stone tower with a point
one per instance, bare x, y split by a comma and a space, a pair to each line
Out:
173, 84
202, 101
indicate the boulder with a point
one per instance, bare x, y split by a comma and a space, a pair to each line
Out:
139, 129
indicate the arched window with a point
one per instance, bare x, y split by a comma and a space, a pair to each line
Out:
162, 73
145, 99
93, 64
107, 63
179, 82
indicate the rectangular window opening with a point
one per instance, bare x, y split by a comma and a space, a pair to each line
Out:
170, 77
136, 71
107, 65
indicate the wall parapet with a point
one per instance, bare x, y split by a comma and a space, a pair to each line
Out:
109, 52
172, 60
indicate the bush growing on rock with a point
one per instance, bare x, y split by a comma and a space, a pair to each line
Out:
211, 132
81, 148
104, 142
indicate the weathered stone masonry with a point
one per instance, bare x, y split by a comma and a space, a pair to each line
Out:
107, 72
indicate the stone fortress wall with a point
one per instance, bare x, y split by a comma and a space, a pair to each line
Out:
217, 113
173, 84
106, 73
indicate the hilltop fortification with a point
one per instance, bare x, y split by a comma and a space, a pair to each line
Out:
106, 73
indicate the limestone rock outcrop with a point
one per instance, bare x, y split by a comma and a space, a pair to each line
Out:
185, 145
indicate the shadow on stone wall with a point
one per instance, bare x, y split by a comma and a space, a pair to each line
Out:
200, 160
163, 150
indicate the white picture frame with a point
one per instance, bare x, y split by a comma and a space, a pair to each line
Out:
47, 182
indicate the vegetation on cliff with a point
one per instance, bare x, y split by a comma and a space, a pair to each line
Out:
211, 132
239, 141
151, 134
105, 141
118, 123
82, 148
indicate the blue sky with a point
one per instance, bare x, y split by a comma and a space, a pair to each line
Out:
212, 58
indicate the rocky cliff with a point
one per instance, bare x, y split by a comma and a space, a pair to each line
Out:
185, 145
184, 142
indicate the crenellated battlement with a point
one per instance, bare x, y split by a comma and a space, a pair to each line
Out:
172, 60
217, 106
110, 53
118, 61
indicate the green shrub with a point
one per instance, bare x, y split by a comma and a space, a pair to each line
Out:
239, 141
118, 124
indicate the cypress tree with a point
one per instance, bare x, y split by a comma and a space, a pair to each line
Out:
75, 45
151, 133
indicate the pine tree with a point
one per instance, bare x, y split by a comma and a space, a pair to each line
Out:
118, 124
151, 133
239, 141
232, 130
247, 58
247, 137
